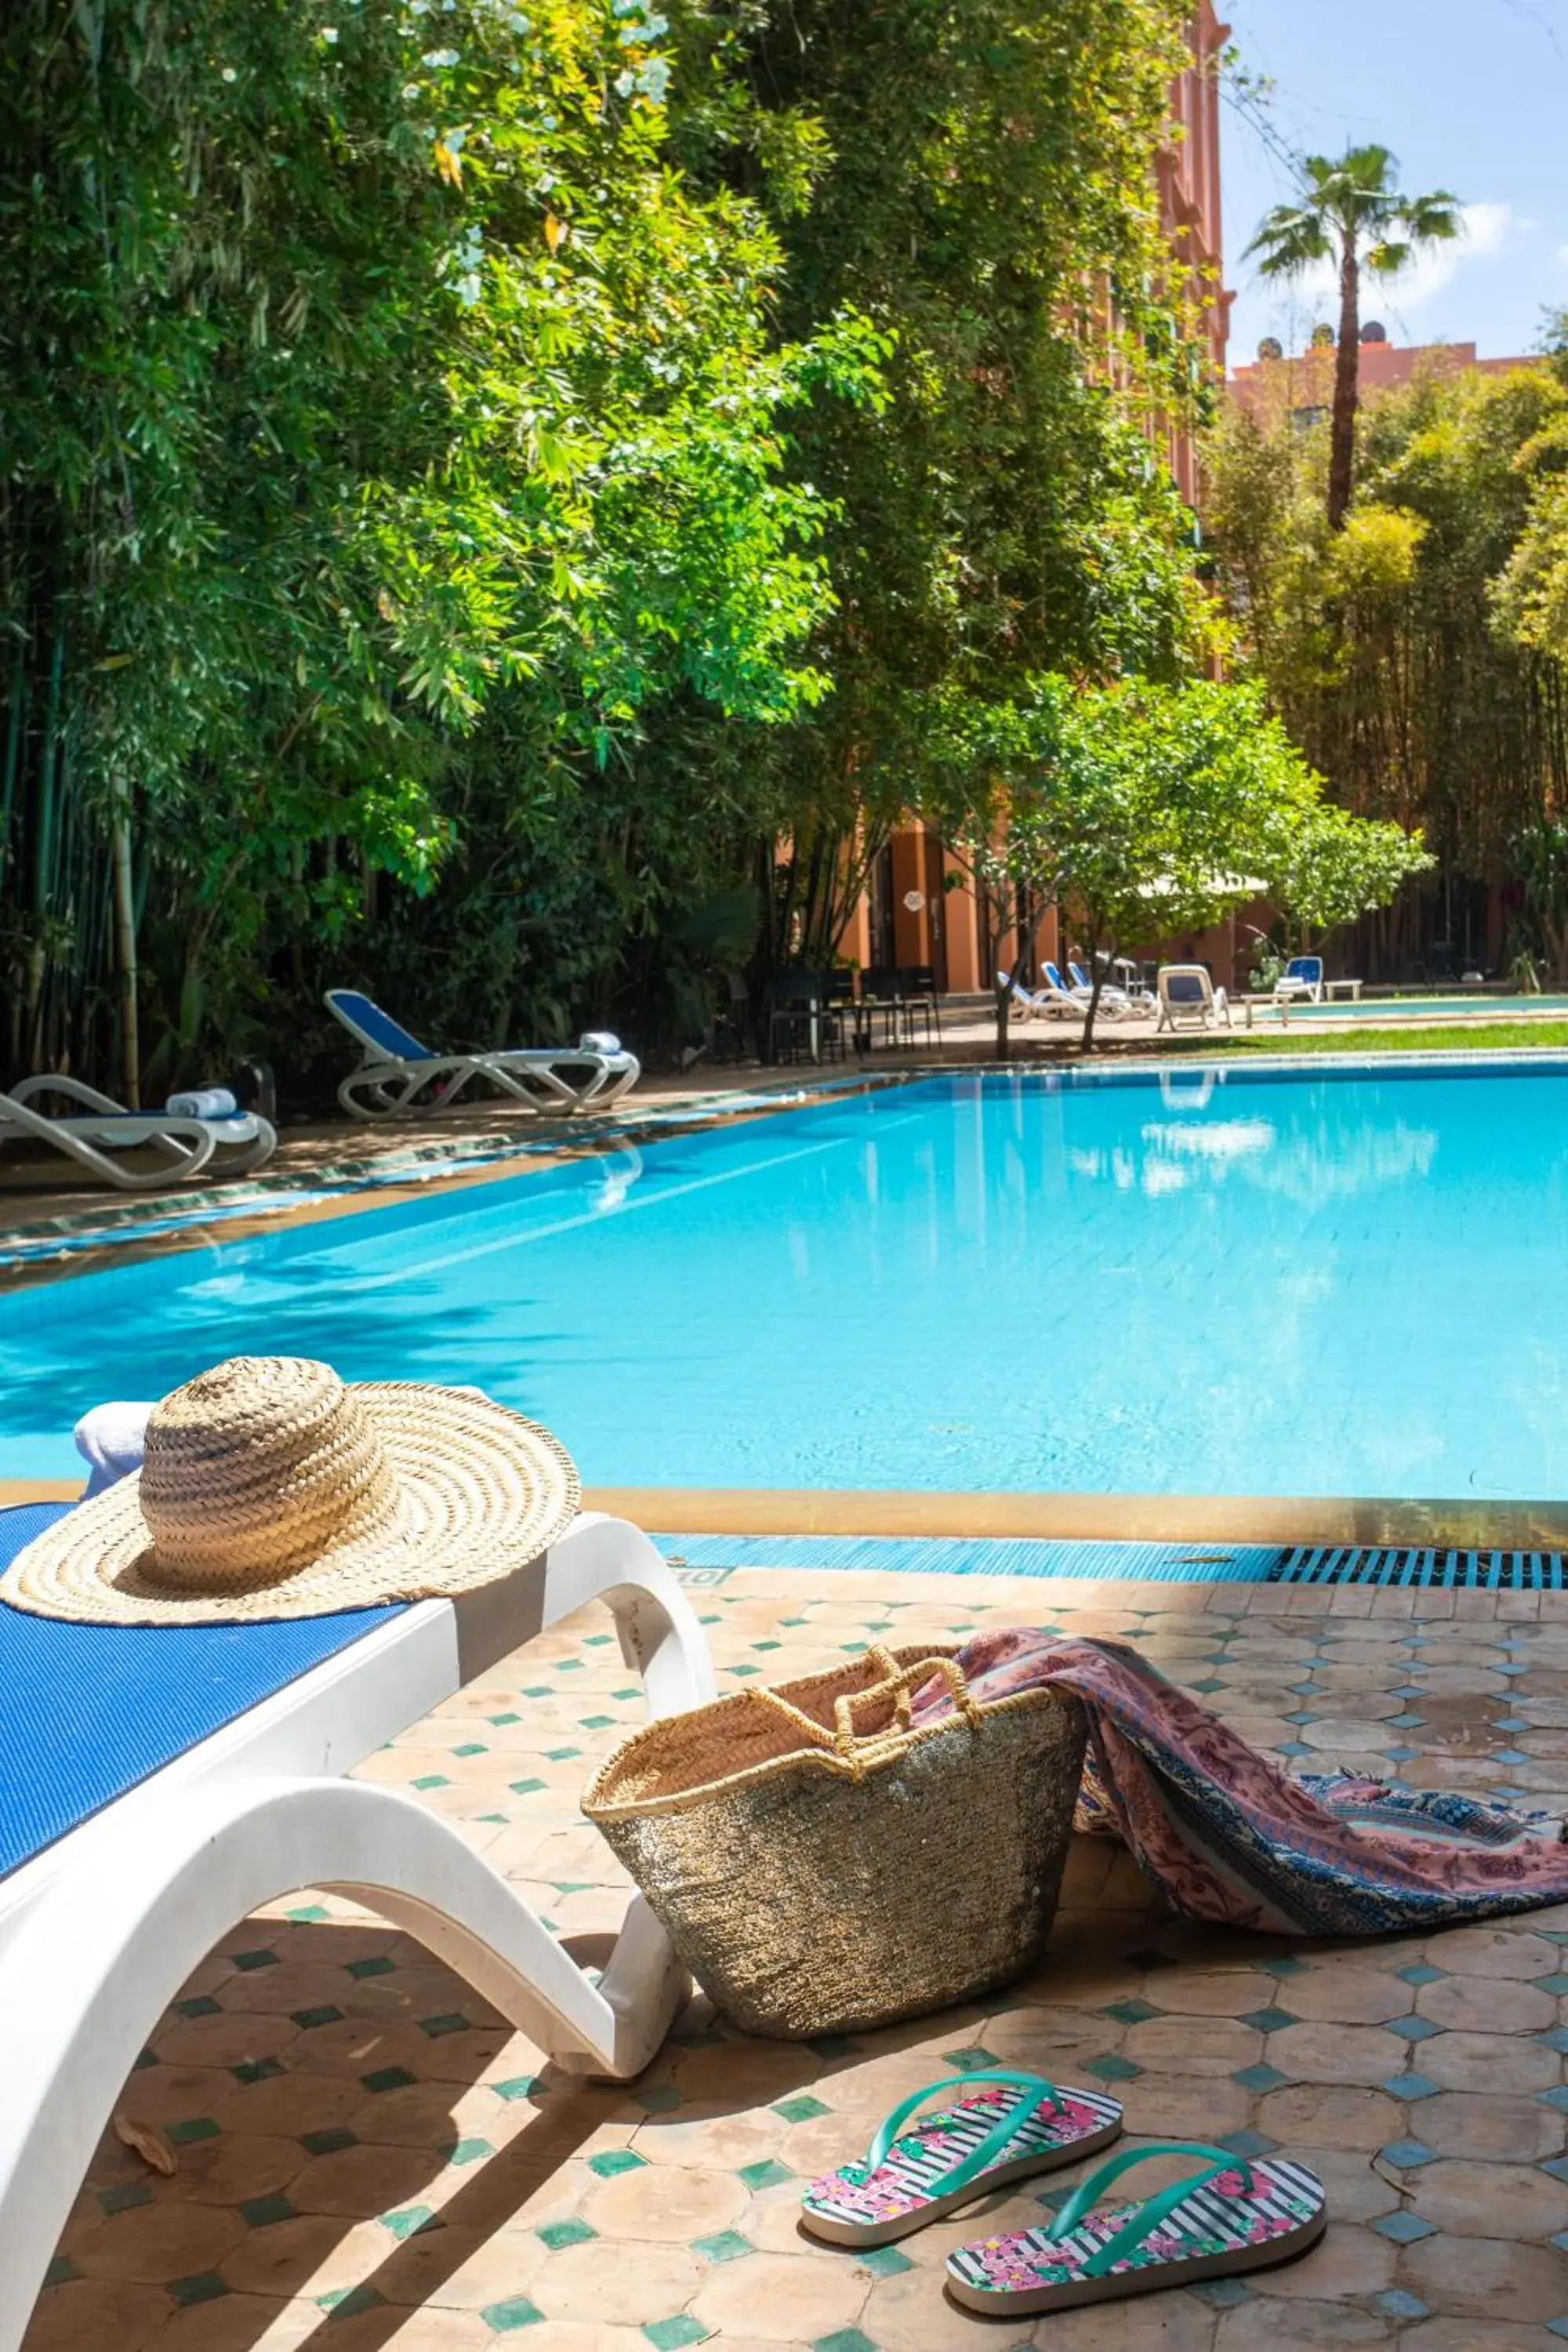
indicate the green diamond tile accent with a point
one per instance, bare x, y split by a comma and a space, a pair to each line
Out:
557, 2234
572, 1666
538, 1690
1259, 2078
453, 2022
845, 2339
347, 2303
659, 2099
1421, 1974
767, 1645
561, 1755
307, 1912
632, 1690
518, 2088
255, 2070
1270, 2019
611, 2160
1212, 1683
468, 2151
327, 2143
854, 1649
1404, 2229
61, 2271
883, 2262
769, 2174
261, 2212
1285, 1966
801, 2109
258, 1959
1113, 2068
202, 2286
409, 2221
975, 2056
516, 2312
123, 2196
742, 1671
1223, 2294
499, 1720
1411, 2086
499, 1818
525, 1787
380, 1965
431, 1781
194, 2127
388, 2078
1557, 1984
724, 2246
1413, 2029
472, 1748
597, 1722
1131, 2012
203, 2006
143, 2058
833, 2046
669, 2335
310, 2017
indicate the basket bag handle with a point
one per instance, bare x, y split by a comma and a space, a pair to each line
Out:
859, 1750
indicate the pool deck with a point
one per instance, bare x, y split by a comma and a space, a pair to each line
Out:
367, 2157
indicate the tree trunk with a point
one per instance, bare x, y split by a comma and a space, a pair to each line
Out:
1347, 365
1004, 1014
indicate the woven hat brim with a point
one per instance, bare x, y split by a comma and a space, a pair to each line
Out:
484, 1491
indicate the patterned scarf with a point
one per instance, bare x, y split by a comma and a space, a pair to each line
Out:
1229, 1834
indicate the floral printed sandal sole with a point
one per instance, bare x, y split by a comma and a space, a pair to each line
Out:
947, 2160
1228, 2217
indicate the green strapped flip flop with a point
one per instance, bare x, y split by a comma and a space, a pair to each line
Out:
978, 2143
1228, 2216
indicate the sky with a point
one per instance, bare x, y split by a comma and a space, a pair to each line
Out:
1471, 95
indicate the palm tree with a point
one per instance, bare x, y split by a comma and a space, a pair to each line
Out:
1350, 212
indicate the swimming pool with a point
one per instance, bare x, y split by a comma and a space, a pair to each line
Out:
1232, 1282
1460, 1007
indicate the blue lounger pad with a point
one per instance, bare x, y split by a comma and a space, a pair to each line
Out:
87, 1711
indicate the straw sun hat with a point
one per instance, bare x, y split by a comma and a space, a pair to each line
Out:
269, 1490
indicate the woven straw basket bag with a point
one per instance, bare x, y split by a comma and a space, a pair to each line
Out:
819, 1862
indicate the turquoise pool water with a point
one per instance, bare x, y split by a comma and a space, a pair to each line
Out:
1424, 1008
1237, 1282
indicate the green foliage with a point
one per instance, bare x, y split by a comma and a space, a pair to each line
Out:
1395, 651
1146, 809
364, 381
478, 475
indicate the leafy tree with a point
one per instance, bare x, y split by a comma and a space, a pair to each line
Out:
379, 407
1144, 808
1348, 211
1395, 650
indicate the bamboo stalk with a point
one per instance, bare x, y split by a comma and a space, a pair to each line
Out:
125, 956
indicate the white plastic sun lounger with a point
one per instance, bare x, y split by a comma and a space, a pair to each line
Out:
157, 1784
397, 1074
1189, 998
101, 1127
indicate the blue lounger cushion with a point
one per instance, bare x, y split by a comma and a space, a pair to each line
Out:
87, 1711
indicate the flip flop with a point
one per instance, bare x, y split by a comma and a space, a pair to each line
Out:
1226, 2216
947, 2160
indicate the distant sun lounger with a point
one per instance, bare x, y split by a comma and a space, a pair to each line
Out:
95, 1128
398, 1075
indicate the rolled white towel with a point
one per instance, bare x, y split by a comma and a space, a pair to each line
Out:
112, 1439
598, 1041
203, 1102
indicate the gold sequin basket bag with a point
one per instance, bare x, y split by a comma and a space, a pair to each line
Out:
819, 1860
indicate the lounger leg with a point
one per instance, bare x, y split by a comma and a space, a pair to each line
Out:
118, 1933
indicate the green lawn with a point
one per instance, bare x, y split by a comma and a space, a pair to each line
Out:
1466, 1036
